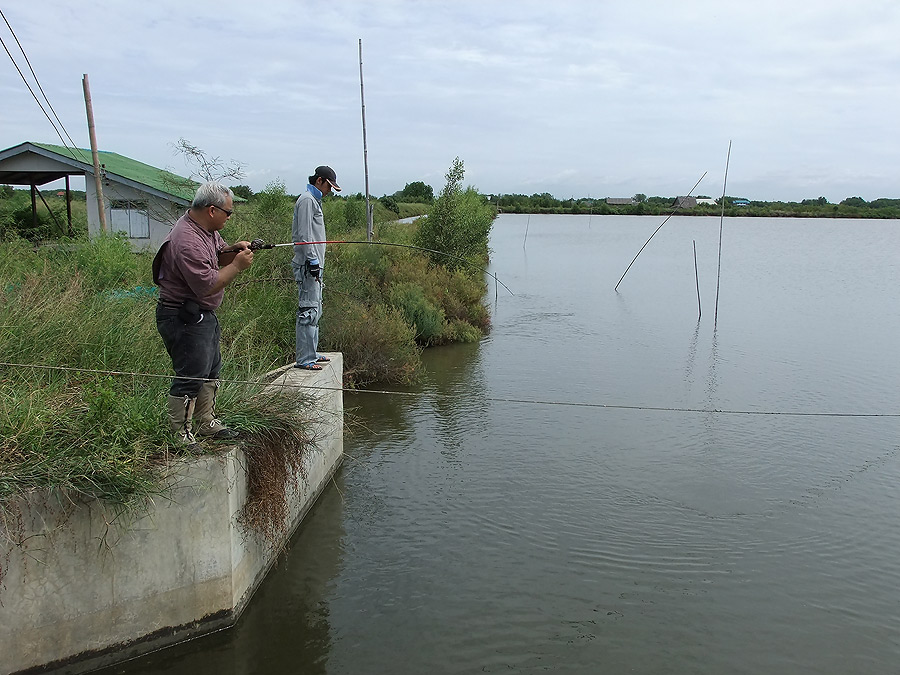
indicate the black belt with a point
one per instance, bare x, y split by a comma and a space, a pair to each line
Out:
171, 304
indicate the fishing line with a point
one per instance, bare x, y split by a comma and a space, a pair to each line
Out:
491, 399
657, 230
258, 244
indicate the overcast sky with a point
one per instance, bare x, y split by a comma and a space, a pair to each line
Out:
592, 98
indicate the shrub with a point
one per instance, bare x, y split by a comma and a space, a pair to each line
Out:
459, 223
427, 319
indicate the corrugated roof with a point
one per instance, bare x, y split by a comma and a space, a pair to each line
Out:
159, 179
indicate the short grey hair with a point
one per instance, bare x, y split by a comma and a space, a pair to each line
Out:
211, 193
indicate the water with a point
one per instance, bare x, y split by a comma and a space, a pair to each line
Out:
470, 531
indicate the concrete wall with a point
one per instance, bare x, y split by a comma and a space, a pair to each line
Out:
87, 588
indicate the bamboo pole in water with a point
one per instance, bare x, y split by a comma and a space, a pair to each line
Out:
721, 221
697, 279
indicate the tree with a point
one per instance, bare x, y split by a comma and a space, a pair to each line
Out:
821, 201
242, 191
205, 166
416, 191
640, 198
854, 201
390, 204
459, 223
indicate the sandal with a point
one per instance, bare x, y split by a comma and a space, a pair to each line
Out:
307, 366
323, 359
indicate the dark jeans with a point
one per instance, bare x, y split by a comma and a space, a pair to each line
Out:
194, 349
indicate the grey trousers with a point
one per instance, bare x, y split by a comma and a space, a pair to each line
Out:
309, 310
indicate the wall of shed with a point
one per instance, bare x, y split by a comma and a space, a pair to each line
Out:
163, 213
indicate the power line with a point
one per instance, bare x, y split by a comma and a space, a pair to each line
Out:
74, 147
492, 399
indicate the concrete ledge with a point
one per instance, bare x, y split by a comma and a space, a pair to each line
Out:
87, 589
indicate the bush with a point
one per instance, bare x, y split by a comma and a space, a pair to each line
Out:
427, 319
458, 225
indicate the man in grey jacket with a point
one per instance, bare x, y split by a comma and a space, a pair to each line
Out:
309, 264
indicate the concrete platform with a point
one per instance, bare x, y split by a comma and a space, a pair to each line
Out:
87, 589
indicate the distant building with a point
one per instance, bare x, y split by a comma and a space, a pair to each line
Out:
740, 202
685, 202
709, 202
620, 201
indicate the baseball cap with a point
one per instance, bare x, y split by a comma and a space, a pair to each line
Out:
328, 174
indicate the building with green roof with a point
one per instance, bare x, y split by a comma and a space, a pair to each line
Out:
140, 200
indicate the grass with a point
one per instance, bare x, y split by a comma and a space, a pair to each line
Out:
88, 305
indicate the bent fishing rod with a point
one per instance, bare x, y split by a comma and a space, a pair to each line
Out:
657, 230
258, 244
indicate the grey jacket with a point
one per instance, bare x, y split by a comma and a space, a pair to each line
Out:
308, 225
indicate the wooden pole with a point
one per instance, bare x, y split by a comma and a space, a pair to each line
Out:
34, 220
721, 222
370, 227
68, 205
97, 181
697, 279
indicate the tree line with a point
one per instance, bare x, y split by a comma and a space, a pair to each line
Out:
640, 204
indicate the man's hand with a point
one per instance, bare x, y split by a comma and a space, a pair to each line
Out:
313, 268
244, 258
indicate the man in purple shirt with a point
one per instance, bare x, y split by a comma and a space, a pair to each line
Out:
192, 268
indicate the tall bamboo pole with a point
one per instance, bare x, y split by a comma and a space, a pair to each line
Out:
370, 227
97, 181
721, 222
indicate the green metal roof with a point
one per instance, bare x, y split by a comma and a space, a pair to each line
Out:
159, 179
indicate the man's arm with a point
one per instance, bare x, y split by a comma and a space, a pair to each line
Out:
301, 229
241, 260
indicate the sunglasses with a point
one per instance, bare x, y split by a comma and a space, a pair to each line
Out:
225, 211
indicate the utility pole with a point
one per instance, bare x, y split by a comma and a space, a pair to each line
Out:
93, 134
370, 226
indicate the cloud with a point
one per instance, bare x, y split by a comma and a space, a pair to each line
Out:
615, 98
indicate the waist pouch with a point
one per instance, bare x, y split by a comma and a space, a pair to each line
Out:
189, 312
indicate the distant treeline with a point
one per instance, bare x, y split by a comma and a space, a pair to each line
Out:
416, 197
641, 205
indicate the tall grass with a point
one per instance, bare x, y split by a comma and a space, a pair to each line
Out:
89, 305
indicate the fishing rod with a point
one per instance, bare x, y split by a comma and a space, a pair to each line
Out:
657, 230
258, 244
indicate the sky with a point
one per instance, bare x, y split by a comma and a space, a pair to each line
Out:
579, 99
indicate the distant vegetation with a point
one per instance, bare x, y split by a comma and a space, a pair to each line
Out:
641, 205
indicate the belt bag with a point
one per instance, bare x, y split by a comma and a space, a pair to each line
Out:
189, 312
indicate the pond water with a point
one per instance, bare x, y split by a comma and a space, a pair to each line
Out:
608, 484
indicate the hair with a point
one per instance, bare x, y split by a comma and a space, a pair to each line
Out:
314, 178
211, 193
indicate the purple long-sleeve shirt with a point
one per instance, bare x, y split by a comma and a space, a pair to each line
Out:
187, 265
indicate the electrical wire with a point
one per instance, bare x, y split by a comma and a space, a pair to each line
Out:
74, 148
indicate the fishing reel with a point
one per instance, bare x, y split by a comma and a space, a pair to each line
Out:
257, 244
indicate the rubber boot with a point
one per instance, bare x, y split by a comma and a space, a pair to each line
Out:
181, 408
208, 425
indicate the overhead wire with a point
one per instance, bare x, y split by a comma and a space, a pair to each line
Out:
74, 147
